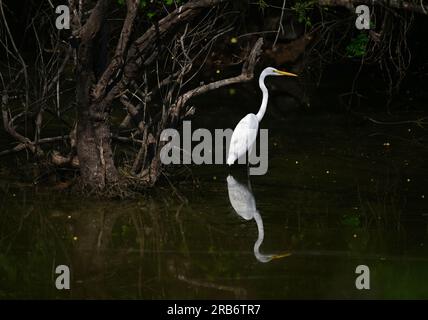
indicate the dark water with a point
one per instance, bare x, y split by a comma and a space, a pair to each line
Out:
337, 194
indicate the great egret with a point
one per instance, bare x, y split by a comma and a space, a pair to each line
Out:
242, 200
245, 132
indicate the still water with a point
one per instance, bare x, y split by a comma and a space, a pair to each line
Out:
338, 193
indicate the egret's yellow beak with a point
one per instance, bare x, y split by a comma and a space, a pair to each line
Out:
282, 255
284, 73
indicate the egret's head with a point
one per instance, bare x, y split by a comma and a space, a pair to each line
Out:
269, 71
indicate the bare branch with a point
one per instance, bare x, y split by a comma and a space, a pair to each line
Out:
8, 126
140, 49
246, 75
93, 24
118, 58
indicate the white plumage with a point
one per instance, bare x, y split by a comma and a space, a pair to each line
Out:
243, 137
246, 130
242, 200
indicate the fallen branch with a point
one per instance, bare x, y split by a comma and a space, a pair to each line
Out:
21, 146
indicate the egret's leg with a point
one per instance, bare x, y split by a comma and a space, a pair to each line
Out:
249, 182
248, 165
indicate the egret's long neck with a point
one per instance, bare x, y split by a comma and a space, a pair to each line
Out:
261, 257
262, 109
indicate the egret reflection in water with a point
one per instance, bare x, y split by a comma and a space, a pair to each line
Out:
242, 200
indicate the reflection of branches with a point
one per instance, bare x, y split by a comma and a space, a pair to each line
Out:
240, 293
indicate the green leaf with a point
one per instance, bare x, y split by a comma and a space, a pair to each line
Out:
351, 220
357, 47
303, 8
151, 14
143, 3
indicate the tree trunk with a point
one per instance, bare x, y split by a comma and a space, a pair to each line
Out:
94, 150
95, 154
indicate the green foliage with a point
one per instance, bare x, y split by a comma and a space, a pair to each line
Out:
262, 5
150, 14
351, 220
303, 8
357, 47
143, 3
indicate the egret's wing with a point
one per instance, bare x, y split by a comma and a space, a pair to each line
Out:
241, 199
243, 137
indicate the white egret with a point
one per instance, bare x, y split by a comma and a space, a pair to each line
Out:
245, 132
242, 200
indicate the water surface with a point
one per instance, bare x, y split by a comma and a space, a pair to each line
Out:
338, 193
